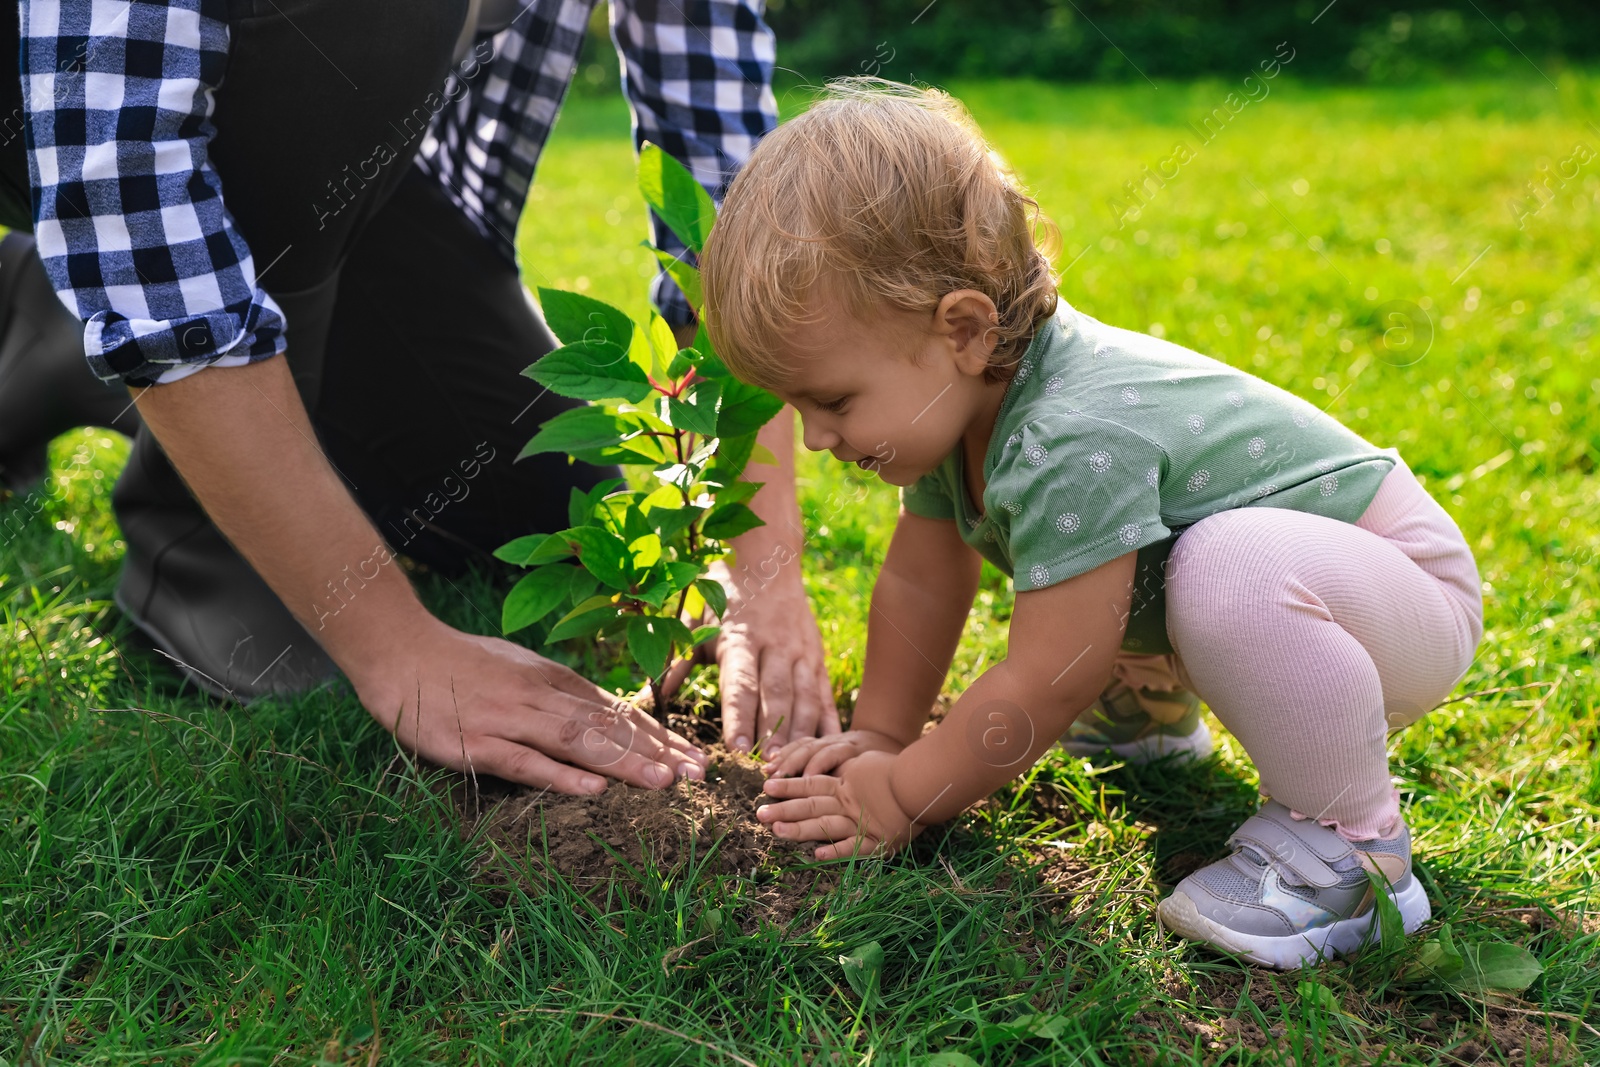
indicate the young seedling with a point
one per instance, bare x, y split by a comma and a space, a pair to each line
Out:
632, 561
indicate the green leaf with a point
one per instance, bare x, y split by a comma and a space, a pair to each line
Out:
671, 190
696, 410
945, 1059
703, 633
584, 586
710, 364
686, 276
685, 359
662, 342
654, 589
708, 448
582, 623
649, 643
716, 596
643, 354
1038, 1025
1391, 928
532, 549
683, 573
634, 526
862, 969
579, 507
575, 319
604, 555
728, 521
745, 408
592, 371
580, 504
1318, 996
646, 550
535, 596
733, 455
668, 522
579, 430
1498, 966
738, 492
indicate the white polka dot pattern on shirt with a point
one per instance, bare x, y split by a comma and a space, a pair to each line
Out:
1301, 419
1236, 399
1198, 481
1011, 507
972, 524
1053, 386
1197, 423
1328, 484
1130, 395
1324, 465
1257, 447
1067, 523
1100, 462
1036, 454
1023, 370
1153, 476
1102, 349
988, 535
1130, 533
1266, 490
1038, 574
1014, 439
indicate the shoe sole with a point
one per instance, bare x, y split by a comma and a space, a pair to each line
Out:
1193, 746
1178, 914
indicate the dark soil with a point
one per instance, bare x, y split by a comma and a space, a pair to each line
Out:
606, 843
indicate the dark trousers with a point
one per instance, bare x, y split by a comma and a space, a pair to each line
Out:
424, 406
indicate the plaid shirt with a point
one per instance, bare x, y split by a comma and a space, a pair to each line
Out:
128, 211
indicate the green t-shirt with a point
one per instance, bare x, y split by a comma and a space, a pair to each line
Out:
1110, 441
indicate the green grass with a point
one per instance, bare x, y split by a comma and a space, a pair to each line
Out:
193, 883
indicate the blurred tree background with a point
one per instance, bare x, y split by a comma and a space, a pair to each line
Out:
1122, 40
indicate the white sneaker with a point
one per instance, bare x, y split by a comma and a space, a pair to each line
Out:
1119, 724
1294, 892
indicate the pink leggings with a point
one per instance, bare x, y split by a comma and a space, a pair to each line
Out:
1311, 639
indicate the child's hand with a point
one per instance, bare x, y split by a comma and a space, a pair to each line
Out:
856, 812
819, 755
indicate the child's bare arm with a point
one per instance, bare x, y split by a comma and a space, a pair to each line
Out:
919, 607
1063, 641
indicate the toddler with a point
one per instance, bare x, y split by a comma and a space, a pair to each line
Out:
877, 267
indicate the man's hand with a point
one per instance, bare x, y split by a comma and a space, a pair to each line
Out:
856, 812
241, 439
819, 755
487, 706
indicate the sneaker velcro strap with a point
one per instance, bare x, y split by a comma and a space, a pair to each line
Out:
1306, 848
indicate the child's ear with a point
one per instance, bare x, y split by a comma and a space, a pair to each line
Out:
967, 319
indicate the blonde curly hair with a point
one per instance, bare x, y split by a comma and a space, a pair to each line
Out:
881, 193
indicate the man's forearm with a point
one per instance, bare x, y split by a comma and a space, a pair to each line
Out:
241, 439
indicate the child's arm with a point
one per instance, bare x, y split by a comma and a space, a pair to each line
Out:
1063, 641
919, 607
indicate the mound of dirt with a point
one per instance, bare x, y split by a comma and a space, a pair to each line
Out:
609, 841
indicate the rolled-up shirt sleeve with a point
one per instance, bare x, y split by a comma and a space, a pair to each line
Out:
128, 211
698, 75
